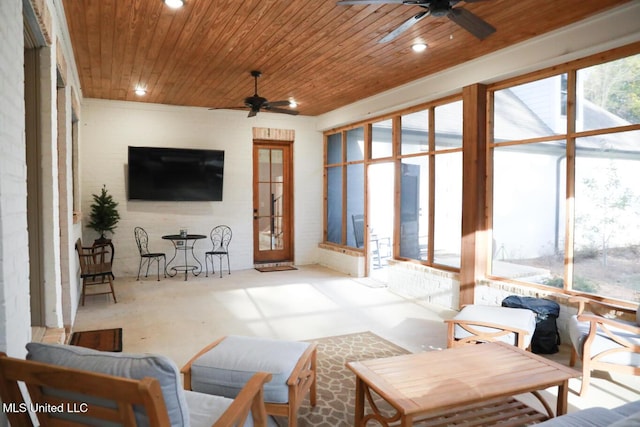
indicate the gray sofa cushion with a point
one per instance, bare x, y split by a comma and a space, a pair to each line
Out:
628, 409
630, 421
123, 365
227, 367
591, 417
627, 415
578, 332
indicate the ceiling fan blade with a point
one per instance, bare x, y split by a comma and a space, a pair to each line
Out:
229, 108
277, 104
252, 113
404, 27
282, 110
351, 2
472, 23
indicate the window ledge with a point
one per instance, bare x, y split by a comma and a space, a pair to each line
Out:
341, 249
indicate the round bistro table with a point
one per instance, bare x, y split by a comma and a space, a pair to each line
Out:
184, 244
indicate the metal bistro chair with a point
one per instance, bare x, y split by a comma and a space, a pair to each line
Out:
220, 238
142, 240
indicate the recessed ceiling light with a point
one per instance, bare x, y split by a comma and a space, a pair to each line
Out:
140, 91
419, 47
174, 4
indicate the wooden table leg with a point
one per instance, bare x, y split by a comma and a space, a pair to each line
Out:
562, 404
406, 421
359, 410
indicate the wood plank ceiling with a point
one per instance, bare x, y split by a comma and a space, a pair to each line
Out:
322, 55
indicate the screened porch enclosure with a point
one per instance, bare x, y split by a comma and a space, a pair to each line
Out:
563, 207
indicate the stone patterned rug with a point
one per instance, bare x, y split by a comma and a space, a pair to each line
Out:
336, 383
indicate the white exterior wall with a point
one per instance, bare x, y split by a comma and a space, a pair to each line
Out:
109, 127
15, 315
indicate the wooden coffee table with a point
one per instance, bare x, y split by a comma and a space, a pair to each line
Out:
474, 382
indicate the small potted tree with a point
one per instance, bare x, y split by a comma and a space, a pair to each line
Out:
104, 215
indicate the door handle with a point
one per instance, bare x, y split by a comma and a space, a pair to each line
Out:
255, 214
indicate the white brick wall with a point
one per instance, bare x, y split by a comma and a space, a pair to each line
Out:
343, 260
108, 128
425, 284
15, 318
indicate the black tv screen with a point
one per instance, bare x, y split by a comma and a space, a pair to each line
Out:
178, 174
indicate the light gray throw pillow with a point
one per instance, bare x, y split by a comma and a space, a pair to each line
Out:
135, 366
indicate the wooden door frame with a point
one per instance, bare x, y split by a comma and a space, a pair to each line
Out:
289, 198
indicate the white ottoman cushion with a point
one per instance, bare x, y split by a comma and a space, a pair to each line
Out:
205, 410
227, 367
520, 318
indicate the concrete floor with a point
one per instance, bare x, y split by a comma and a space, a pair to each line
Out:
177, 318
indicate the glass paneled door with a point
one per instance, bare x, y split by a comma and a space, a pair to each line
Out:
272, 207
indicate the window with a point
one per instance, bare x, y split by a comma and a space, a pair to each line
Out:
431, 185
607, 216
344, 184
538, 188
563, 203
528, 211
448, 209
415, 132
609, 94
381, 140
334, 186
563, 94
414, 208
429, 202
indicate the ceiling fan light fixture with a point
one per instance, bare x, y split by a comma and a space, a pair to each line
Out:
419, 47
174, 4
293, 103
140, 91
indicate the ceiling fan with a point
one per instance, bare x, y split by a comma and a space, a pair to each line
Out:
255, 103
462, 17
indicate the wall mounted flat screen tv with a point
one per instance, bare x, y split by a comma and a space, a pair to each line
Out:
175, 174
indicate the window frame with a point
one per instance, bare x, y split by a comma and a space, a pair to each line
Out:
396, 158
476, 245
571, 69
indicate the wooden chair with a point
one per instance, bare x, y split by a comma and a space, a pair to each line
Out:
95, 269
608, 343
69, 397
